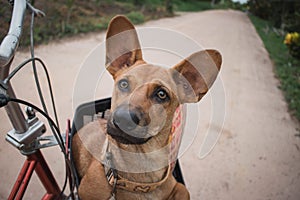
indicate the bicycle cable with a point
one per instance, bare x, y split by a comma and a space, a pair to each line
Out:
4, 99
54, 126
23, 64
58, 136
20, 101
36, 75
69, 169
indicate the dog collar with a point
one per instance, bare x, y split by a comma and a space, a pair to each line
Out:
117, 181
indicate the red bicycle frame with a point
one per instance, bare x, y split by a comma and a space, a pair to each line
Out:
35, 162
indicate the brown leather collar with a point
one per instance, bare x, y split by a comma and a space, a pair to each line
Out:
125, 184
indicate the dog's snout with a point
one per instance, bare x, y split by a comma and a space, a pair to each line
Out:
125, 119
127, 125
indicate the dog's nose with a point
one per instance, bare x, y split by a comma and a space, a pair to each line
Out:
125, 120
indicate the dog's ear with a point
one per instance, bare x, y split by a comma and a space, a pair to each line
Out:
196, 74
122, 45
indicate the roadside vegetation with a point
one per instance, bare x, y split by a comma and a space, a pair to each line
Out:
278, 24
287, 67
72, 17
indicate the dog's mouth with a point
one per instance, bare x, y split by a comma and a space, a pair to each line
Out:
124, 137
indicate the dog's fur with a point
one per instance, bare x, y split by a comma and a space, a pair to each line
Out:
145, 98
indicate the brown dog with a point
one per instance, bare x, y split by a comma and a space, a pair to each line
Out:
125, 157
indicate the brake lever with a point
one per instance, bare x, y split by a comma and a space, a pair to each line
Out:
36, 11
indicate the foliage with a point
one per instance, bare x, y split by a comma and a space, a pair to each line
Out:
261, 8
228, 4
281, 13
70, 17
169, 6
191, 5
287, 68
136, 17
292, 41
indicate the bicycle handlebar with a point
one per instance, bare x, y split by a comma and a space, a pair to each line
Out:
10, 43
8, 49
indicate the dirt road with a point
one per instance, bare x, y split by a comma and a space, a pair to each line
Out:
257, 156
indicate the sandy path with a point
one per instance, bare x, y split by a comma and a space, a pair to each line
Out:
257, 155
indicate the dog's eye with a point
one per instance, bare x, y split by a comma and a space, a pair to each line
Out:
162, 95
123, 84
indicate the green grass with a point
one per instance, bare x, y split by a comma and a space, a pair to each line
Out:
287, 68
136, 17
191, 5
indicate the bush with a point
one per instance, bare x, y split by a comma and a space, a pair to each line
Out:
136, 17
292, 41
281, 13
191, 5
260, 8
284, 15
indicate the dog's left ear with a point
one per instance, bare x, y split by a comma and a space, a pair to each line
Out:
122, 45
196, 74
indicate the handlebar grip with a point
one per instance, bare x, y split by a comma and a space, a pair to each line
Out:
11, 40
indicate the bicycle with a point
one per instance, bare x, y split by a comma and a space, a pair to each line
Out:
28, 131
